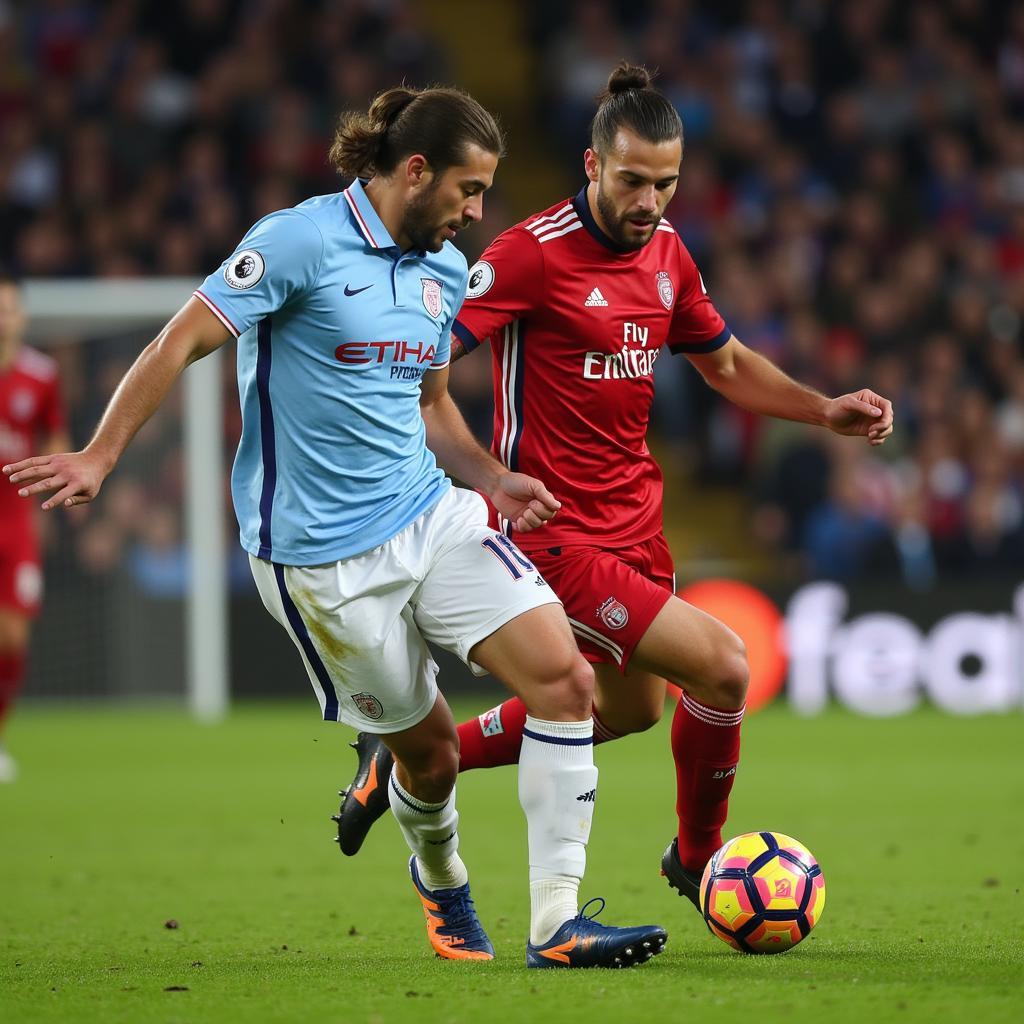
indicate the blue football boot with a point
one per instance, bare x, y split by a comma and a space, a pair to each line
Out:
453, 929
582, 942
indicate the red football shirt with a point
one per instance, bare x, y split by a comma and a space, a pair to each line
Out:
576, 326
31, 411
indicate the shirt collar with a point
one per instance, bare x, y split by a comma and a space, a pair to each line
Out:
582, 207
368, 224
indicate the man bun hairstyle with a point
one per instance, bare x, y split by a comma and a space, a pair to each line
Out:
631, 101
437, 123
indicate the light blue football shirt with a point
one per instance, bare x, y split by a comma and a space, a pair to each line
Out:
335, 327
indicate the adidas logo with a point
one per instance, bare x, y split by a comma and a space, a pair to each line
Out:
588, 798
595, 298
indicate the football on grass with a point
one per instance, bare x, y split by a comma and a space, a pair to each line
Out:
762, 892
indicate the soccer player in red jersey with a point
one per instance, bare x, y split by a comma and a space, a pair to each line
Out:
578, 303
31, 417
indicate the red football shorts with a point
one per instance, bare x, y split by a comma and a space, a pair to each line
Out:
21, 579
611, 595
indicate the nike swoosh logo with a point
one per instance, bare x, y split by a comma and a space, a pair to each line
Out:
356, 291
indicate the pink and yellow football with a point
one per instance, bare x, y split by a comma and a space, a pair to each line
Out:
762, 892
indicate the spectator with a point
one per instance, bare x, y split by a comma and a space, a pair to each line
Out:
852, 189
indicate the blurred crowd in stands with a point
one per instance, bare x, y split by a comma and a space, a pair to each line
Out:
852, 189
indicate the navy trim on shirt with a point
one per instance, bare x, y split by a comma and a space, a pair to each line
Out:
267, 446
465, 335
582, 208
701, 348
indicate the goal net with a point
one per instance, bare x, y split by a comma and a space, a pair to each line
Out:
136, 583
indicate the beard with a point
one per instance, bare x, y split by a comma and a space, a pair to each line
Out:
421, 224
619, 225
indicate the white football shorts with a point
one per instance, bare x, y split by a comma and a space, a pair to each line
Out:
361, 624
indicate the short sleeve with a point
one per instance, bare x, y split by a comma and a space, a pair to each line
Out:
276, 262
696, 328
444, 347
505, 284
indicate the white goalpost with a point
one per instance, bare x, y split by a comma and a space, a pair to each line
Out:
60, 310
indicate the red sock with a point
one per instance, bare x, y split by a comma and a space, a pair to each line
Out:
494, 738
706, 748
12, 670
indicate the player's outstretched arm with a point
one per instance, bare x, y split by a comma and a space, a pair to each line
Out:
522, 499
755, 383
74, 478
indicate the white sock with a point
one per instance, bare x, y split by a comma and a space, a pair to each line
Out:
552, 902
432, 832
557, 787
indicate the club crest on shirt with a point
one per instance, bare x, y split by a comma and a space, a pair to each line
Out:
244, 269
368, 705
666, 292
613, 613
431, 296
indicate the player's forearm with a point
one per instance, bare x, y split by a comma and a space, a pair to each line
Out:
755, 383
457, 452
458, 350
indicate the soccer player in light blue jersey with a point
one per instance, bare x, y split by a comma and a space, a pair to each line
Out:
342, 308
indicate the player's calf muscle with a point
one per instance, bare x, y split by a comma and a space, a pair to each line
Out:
432, 779
628, 703
623, 720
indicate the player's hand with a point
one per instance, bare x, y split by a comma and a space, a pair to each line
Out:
524, 501
861, 414
75, 477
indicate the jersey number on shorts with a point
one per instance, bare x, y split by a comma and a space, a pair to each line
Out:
509, 555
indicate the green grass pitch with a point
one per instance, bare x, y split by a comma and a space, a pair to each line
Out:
124, 820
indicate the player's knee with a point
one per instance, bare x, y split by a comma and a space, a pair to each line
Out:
580, 681
732, 677
568, 693
578, 687
637, 719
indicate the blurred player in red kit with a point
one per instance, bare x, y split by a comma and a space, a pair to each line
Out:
578, 302
31, 416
